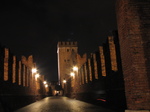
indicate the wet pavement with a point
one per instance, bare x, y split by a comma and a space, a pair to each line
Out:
61, 104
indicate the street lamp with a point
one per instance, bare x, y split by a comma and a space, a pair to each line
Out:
64, 81
72, 74
45, 82
46, 85
75, 68
37, 76
34, 70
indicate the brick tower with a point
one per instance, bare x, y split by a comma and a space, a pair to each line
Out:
133, 18
67, 58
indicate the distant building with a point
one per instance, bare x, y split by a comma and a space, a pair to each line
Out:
67, 58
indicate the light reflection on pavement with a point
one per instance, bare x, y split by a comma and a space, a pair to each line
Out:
61, 104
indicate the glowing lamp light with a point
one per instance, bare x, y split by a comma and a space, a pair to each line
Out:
34, 70
46, 85
75, 68
45, 82
37, 75
64, 81
72, 74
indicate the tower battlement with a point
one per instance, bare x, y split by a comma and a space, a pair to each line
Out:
67, 44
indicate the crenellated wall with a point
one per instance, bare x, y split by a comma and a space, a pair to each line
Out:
99, 78
67, 58
67, 44
18, 86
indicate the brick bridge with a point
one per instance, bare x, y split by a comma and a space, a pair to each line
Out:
117, 75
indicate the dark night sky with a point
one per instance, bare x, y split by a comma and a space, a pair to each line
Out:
33, 27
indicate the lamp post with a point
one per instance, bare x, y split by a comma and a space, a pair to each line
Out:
74, 81
46, 87
75, 68
44, 82
75, 71
37, 76
72, 74
34, 81
37, 85
64, 82
34, 70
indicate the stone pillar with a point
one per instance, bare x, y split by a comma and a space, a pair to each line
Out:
82, 75
90, 70
14, 70
24, 75
85, 72
19, 73
112, 48
28, 77
6, 57
102, 61
133, 18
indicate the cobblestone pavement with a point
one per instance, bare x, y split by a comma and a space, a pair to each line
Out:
61, 104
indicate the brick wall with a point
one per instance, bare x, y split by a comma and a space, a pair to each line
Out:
6, 58
14, 70
102, 61
133, 18
17, 87
67, 58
